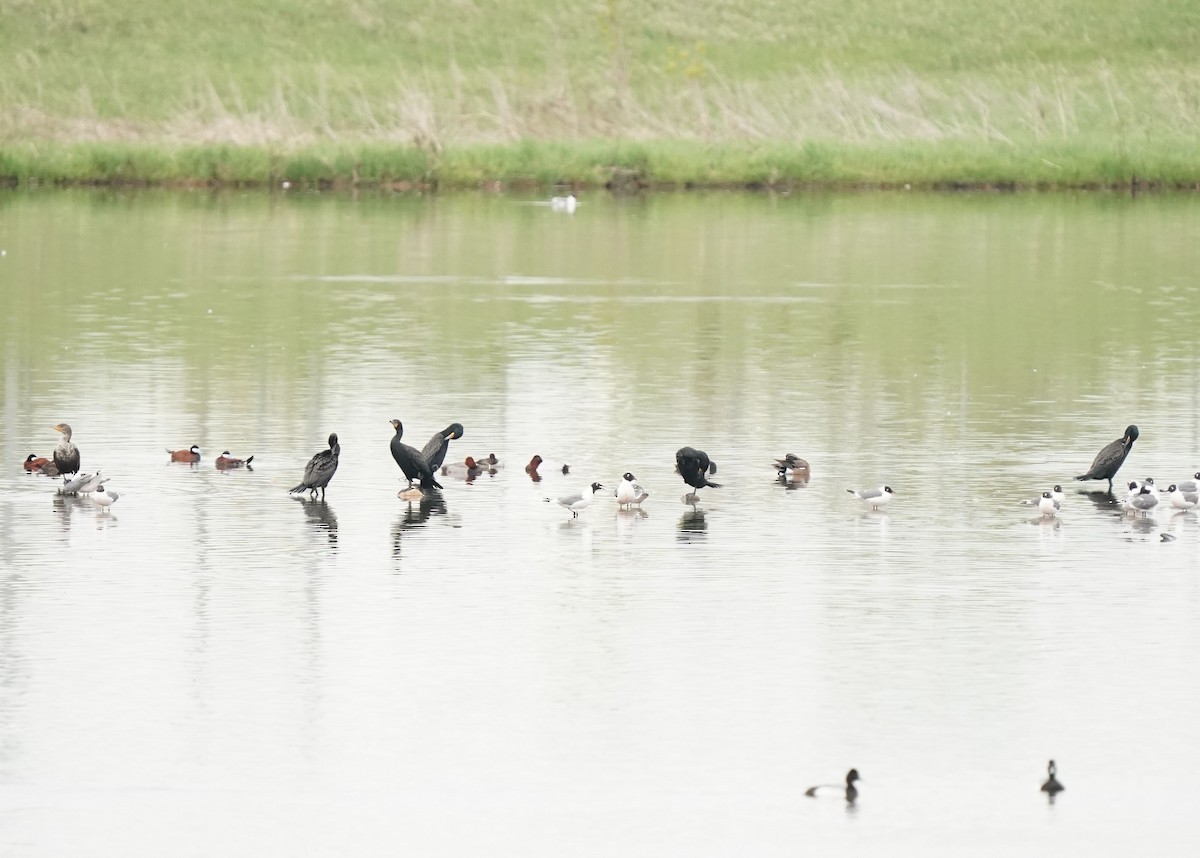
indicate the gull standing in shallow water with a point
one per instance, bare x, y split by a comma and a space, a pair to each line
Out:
82, 484
580, 500
1183, 500
849, 791
629, 492
103, 498
1142, 502
1109, 460
875, 497
1056, 495
1046, 506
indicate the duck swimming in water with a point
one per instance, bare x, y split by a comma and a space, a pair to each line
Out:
468, 469
411, 462
849, 791
320, 469
66, 454
190, 455
35, 463
225, 461
537, 461
1052, 786
792, 467
1109, 460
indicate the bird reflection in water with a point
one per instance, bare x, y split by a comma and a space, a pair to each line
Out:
1103, 500
790, 483
321, 518
693, 525
416, 513
1145, 523
67, 505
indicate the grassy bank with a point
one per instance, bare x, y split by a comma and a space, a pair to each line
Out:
623, 168
709, 92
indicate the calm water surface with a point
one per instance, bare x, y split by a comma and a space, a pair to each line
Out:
214, 668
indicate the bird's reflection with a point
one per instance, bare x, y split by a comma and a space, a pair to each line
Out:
790, 483
65, 506
1052, 522
693, 525
321, 518
1103, 500
416, 514
1144, 523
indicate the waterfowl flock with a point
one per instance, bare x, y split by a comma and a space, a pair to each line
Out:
849, 791
693, 465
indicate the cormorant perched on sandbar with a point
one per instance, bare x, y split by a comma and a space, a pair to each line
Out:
320, 469
1109, 460
411, 462
66, 454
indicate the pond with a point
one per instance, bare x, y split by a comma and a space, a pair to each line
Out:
214, 667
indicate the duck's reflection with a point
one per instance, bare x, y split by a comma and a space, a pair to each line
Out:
791, 483
321, 518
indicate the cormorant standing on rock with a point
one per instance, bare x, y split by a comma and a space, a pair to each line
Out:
411, 462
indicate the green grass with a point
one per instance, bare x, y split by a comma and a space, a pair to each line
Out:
707, 92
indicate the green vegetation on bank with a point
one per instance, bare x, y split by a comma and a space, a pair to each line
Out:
634, 92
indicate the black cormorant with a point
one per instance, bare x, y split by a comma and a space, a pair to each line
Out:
434, 452
694, 466
66, 454
320, 469
411, 462
1109, 460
